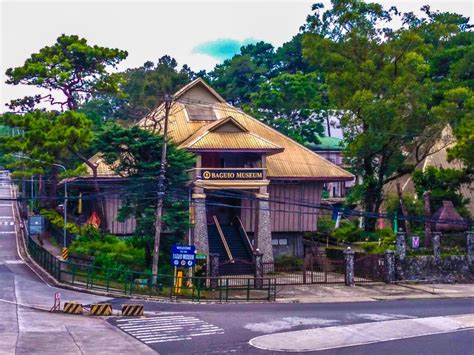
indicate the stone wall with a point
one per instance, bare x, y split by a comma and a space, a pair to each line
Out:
447, 269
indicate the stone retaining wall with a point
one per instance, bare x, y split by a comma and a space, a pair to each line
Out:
447, 269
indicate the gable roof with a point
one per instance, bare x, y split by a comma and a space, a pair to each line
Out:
295, 162
227, 134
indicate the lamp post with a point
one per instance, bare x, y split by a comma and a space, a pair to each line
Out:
65, 193
64, 206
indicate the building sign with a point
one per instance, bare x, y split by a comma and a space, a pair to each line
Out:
36, 224
228, 174
183, 255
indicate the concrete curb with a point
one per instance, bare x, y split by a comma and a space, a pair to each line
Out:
343, 336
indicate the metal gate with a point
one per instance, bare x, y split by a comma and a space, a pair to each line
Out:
368, 268
320, 268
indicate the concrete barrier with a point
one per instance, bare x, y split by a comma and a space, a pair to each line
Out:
72, 308
132, 310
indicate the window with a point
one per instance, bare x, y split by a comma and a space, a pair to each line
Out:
280, 241
200, 113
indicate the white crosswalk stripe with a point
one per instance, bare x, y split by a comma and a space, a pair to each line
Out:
162, 329
6, 223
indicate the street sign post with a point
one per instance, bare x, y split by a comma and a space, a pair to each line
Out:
183, 255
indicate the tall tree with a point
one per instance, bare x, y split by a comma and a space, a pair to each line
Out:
47, 138
293, 104
241, 75
144, 88
380, 80
71, 71
135, 154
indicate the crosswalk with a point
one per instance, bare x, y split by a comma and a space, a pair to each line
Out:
167, 328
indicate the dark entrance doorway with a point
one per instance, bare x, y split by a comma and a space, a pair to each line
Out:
224, 204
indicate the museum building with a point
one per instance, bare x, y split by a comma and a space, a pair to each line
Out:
253, 190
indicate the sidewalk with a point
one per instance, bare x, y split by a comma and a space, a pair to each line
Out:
371, 292
362, 333
50, 247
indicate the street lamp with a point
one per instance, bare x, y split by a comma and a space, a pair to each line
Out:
65, 193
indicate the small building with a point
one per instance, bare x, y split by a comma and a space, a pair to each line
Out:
253, 188
331, 148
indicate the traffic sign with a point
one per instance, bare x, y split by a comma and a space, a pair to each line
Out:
183, 255
200, 256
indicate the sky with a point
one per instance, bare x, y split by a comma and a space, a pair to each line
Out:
200, 34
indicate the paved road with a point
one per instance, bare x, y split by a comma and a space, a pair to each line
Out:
26, 330
219, 328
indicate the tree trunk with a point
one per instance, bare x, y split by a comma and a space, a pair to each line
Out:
148, 253
53, 188
100, 200
99, 205
404, 209
427, 207
41, 192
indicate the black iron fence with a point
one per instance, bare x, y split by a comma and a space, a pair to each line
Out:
130, 282
322, 268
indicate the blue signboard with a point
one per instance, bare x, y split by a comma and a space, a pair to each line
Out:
36, 224
183, 255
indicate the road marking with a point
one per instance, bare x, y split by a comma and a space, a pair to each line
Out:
167, 328
14, 262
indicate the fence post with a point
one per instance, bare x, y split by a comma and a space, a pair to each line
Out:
214, 266
389, 266
349, 267
470, 247
303, 269
436, 244
401, 245
258, 270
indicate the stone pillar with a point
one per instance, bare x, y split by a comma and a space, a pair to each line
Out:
263, 228
214, 269
389, 266
201, 240
258, 270
401, 246
349, 267
470, 247
436, 244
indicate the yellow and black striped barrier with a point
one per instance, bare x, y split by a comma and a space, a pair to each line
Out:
65, 253
132, 310
101, 309
72, 308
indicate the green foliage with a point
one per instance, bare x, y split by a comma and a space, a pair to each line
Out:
57, 220
288, 261
381, 80
349, 232
48, 138
291, 103
109, 251
444, 184
136, 154
70, 66
325, 224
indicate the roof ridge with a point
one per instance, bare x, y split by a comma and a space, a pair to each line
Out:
292, 141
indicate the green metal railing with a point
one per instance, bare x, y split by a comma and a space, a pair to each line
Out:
131, 282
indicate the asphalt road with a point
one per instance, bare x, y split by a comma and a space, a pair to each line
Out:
220, 328
29, 330
189, 328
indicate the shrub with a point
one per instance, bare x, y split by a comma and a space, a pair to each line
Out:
288, 261
57, 220
109, 251
325, 224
